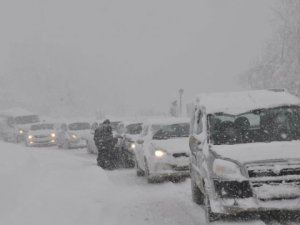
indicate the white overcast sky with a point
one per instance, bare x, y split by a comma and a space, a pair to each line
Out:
135, 53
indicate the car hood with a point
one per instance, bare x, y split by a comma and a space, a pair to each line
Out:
132, 137
41, 132
252, 152
175, 145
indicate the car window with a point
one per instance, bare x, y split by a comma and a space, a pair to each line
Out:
42, 127
79, 126
172, 131
145, 131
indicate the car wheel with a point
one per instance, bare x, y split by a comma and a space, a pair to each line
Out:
139, 171
209, 215
197, 195
150, 179
66, 145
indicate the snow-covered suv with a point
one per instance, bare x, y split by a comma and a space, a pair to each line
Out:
245, 152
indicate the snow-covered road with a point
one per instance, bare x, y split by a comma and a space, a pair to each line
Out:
48, 186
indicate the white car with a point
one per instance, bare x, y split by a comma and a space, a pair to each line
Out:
15, 124
41, 135
162, 150
91, 147
73, 135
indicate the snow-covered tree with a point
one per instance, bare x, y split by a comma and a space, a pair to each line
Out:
279, 67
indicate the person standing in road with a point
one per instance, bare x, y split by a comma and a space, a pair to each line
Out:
104, 141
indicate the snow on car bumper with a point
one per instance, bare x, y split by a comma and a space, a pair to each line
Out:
82, 143
170, 167
233, 197
233, 206
41, 144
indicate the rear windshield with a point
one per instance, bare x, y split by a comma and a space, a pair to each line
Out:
42, 127
79, 126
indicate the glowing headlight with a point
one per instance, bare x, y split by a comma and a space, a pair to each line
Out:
74, 136
53, 135
30, 136
159, 153
21, 131
132, 146
227, 169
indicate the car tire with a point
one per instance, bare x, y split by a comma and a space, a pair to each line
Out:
197, 195
66, 145
150, 179
139, 171
209, 215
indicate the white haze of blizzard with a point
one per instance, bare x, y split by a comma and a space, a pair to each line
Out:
126, 54
50, 186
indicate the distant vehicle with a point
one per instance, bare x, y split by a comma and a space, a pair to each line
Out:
15, 123
91, 147
245, 152
73, 135
162, 150
127, 136
42, 134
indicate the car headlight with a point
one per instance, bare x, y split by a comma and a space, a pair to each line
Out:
74, 136
132, 146
53, 135
21, 132
30, 136
160, 153
227, 169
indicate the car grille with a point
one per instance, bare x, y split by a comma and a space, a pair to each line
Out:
41, 136
181, 168
276, 170
274, 181
183, 154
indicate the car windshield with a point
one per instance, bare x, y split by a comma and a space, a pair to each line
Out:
264, 125
134, 129
172, 131
79, 126
42, 127
114, 125
27, 119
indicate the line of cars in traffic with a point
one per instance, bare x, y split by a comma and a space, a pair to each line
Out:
241, 150
157, 148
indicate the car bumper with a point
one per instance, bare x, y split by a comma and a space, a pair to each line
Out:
41, 143
234, 206
235, 197
82, 143
170, 168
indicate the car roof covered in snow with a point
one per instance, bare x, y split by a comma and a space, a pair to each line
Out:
167, 121
244, 101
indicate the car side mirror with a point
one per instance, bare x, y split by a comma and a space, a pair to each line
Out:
140, 142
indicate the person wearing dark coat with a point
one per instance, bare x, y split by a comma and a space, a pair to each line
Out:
104, 142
